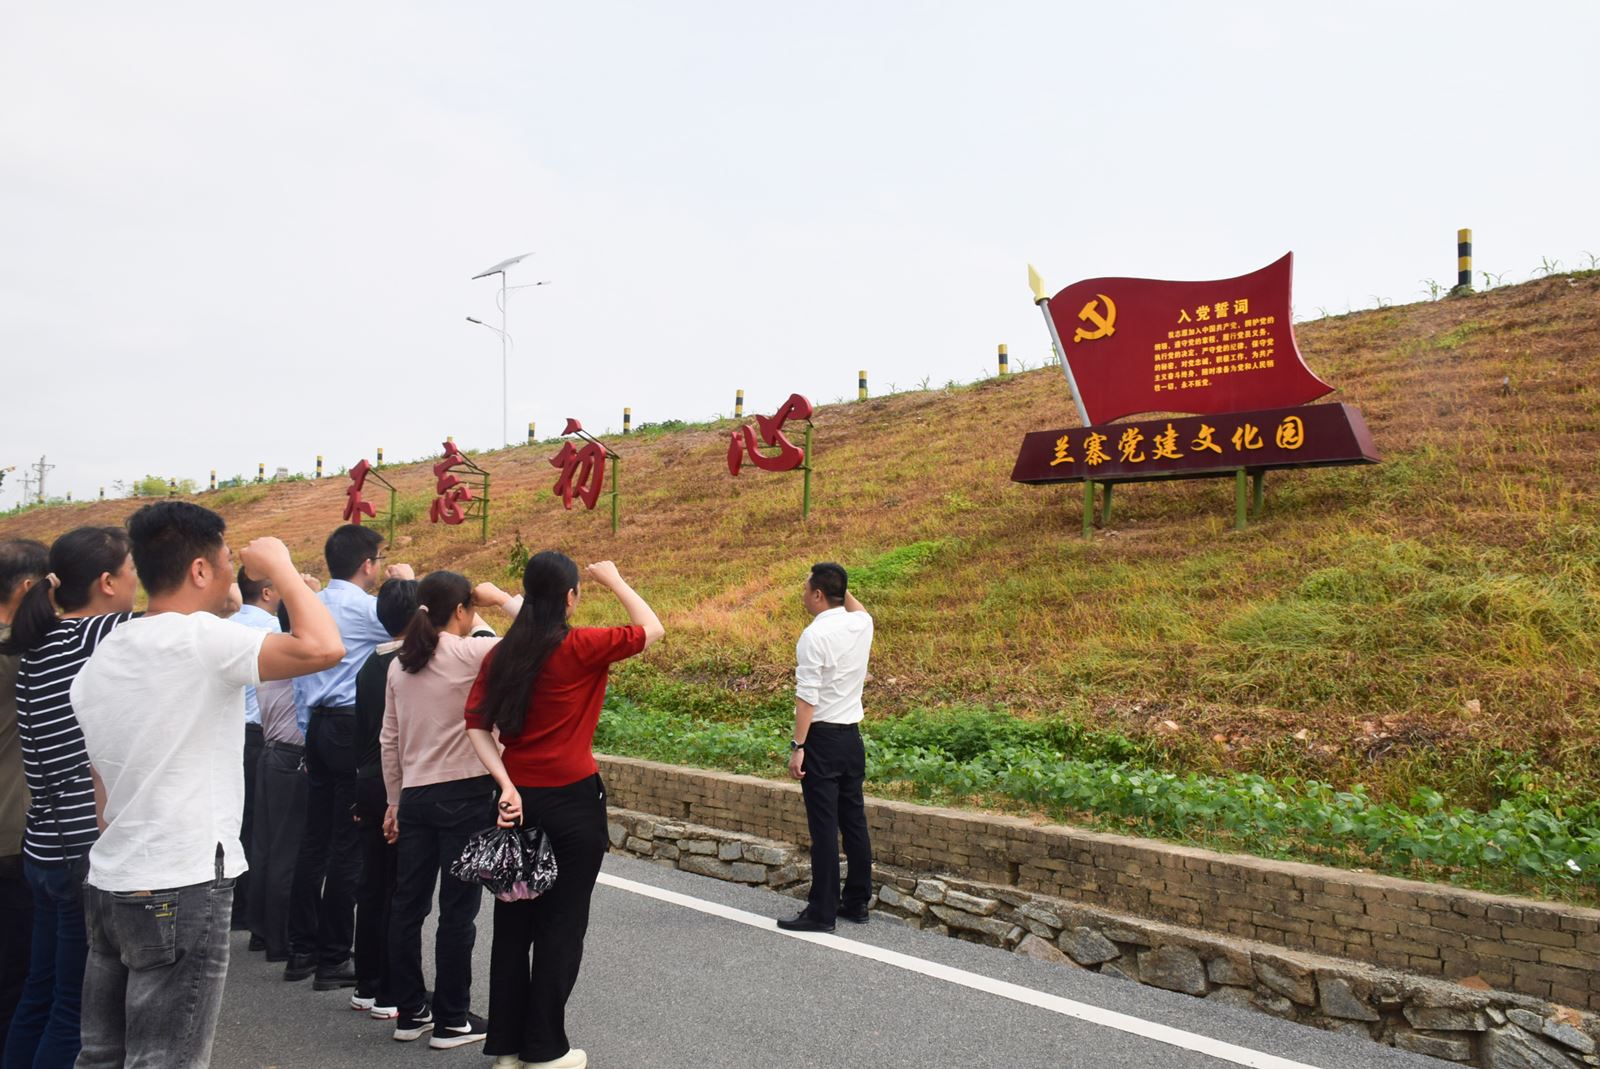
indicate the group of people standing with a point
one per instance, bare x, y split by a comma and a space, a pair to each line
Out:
356, 740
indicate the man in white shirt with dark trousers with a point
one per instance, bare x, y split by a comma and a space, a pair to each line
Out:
826, 754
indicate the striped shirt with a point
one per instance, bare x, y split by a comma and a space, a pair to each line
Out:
61, 822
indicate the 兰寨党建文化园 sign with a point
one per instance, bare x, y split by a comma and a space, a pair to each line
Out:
1220, 355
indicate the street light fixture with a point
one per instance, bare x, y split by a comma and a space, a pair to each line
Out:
505, 338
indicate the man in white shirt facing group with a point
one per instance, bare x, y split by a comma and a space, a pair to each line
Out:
826, 754
162, 715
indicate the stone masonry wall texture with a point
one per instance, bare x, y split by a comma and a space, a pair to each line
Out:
1545, 950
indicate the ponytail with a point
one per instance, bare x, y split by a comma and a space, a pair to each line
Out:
539, 629
439, 595
77, 561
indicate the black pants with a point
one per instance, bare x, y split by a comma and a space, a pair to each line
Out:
435, 822
528, 1005
280, 823
835, 767
323, 902
16, 937
375, 892
253, 741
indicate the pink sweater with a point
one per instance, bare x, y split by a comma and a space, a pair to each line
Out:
424, 738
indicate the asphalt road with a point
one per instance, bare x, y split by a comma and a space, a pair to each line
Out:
693, 981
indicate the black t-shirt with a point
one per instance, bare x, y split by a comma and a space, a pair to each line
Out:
370, 681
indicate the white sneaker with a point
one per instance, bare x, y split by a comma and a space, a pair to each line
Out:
383, 1013
573, 1059
508, 1061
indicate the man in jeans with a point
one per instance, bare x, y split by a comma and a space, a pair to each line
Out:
826, 754
162, 714
322, 902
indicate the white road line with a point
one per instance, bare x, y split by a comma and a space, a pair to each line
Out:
1122, 1022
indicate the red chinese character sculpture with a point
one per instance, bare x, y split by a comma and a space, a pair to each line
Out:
583, 471
789, 457
354, 507
446, 507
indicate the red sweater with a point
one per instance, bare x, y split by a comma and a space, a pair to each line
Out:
555, 745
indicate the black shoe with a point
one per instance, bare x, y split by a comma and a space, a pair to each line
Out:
446, 1036
411, 1025
256, 943
804, 922
276, 959
341, 975
854, 916
300, 966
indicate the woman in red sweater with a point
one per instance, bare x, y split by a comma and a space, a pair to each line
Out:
541, 689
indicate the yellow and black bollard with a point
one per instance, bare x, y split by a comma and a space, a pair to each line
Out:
531, 438
738, 405
1464, 261
172, 488
319, 465
102, 493
380, 456
627, 420
261, 472
861, 386
213, 478
1005, 366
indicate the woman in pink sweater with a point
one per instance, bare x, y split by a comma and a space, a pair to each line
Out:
439, 795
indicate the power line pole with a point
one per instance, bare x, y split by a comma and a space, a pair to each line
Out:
42, 469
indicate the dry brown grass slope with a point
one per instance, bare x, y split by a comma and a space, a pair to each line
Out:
1406, 616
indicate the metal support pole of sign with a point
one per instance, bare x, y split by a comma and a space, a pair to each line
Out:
484, 538
392, 497
1240, 500
1105, 511
616, 463
805, 493
1088, 508
1258, 495
1066, 368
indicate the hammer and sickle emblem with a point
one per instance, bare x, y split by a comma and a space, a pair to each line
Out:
1105, 325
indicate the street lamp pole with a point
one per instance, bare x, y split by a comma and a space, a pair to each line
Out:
505, 337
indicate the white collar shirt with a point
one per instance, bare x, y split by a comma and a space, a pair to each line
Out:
831, 665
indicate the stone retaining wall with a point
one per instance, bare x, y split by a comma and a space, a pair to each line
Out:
1545, 950
1491, 1029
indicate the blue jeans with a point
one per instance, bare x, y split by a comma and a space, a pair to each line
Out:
44, 1030
153, 988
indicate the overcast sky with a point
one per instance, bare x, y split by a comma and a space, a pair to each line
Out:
230, 235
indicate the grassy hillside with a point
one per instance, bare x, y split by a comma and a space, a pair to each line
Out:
1430, 621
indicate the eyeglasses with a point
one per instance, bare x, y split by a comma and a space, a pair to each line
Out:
376, 559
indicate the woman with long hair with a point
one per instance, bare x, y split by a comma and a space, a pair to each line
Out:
89, 590
541, 690
438, 795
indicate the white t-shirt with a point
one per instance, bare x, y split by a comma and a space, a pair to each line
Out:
831, 665
161, 706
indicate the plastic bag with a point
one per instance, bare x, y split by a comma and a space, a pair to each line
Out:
511, 863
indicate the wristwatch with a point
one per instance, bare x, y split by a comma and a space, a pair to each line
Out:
793, 746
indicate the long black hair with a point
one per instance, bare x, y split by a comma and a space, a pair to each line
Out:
77, 560
439, 594
540, 627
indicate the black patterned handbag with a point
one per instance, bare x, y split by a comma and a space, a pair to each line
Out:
512, 863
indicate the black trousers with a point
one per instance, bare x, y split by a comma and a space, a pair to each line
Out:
253, 741
280, 823
322, 910
435, 822
16, 937
375, 891
528, 1000
835, 767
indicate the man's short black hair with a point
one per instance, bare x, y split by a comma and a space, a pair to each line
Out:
830, 580
397, 604
167, 537
21, 558
348, 548
250, 590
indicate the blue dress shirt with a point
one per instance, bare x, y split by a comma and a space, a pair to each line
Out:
356, 614
262, 620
